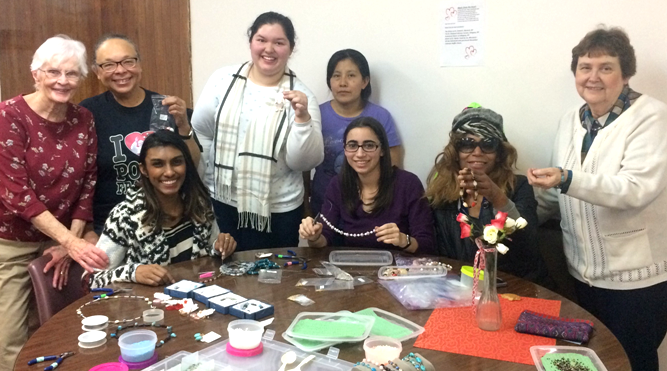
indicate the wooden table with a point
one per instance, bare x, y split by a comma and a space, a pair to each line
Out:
60, 333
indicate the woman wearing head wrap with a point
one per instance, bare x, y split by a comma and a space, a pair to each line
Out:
479, 160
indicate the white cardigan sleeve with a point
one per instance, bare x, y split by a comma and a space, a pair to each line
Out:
641, 174
305, 148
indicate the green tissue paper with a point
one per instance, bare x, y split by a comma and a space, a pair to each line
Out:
310, 327
567, 361
382, 327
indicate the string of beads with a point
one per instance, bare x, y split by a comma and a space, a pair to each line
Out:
345, 233
147, 300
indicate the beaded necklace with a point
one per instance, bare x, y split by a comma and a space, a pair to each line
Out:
147, 300
345, 233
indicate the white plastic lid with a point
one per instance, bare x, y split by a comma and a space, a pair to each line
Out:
95, 321
92, 339
361, 257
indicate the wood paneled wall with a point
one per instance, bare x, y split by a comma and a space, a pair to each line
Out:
161, 29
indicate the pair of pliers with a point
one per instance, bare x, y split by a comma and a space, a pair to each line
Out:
292, 255
107, 291
59, 359
295, 259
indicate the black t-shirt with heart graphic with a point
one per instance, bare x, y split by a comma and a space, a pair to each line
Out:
120, 133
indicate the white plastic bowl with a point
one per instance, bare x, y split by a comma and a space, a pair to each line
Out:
381, 349
245, 333
138, 345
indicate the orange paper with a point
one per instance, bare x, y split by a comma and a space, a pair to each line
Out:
455, 330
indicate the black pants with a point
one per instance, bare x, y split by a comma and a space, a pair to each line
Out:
638, 319
284, 228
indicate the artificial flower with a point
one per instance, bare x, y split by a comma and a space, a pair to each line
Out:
502, 248
509, 224
491, 234
521, 223
462, 218
465, 230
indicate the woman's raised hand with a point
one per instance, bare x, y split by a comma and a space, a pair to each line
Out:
309, 230
225, 244
299, 102
476, 181
86, 254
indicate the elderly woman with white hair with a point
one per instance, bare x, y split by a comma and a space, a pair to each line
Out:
48, 173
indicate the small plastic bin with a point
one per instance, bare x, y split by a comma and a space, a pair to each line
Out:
183, 289
415, 329
137, 346
366, 322
361, 257
154, 315
270, 275
546, 353
204, 294
251, 309
467, 274
410, 272
380, 349
245, 334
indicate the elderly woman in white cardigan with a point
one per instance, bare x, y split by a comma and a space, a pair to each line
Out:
611, 185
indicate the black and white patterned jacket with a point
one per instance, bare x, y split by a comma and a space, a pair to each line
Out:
128, 243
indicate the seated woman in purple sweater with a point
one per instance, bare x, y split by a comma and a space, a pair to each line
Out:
370, 203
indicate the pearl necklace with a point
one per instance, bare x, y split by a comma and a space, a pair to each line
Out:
345, 233
148, 301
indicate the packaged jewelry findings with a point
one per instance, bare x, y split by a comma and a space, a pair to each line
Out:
345, 233
160, 343
236, 268
147, 300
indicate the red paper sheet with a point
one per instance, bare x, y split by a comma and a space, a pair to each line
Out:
455, 330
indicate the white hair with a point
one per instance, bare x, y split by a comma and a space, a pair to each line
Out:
60, 48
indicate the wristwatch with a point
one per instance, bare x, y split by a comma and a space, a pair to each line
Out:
186, 137
407, 236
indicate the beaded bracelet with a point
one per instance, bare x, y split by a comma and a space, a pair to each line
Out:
562, 178
148, 301
170, 334
392, 366
415, 361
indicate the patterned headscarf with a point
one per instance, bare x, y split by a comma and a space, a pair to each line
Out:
479, 121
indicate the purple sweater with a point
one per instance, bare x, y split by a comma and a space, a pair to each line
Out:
409, 210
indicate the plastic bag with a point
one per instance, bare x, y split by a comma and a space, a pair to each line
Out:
336, 285
160, 116
322, 272
361, 280
303, 300
314, 282
337, 272
428, 293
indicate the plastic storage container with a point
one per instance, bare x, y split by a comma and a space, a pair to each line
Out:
381, 349
410, 272
364, 322
415, 329
138, 345
153, 315
581, 354
467, 273
245, 334
361, 257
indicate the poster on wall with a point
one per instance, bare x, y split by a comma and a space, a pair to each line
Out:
462, 33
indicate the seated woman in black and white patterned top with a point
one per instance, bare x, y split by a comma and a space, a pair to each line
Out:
167, 218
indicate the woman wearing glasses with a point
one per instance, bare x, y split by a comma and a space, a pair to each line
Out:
479, 160
370, 203
122, 116
47, 176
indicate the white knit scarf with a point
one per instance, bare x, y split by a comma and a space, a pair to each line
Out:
253, 159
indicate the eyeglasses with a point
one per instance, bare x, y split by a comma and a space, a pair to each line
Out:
367, 146
468, 145
111, 66
55, 74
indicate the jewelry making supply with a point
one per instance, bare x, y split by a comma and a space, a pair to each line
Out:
236, 268
393, 366
345, 233
160, 343
262, 264
107, 291
147, 300
415, 361
58, 360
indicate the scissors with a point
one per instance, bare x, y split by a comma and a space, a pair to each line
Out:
107, 291
58, 358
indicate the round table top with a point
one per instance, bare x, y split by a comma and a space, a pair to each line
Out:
60, 333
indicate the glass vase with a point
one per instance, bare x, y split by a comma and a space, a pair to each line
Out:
489, 316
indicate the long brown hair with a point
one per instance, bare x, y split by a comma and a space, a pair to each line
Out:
442, 186
196, 200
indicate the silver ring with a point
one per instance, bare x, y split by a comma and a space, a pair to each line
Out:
62, 273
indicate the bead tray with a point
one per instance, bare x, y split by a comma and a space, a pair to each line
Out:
407, 272
342, 317
539, 351
361, 257
269, 360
